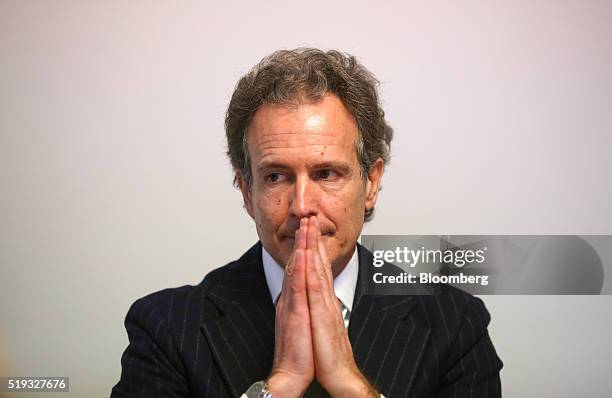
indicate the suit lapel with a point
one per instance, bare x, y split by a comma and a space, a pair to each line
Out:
242, 336
387, 333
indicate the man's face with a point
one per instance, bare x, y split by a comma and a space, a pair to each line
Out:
304, 163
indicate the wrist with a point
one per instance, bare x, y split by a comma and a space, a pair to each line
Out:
354, 385
283, 385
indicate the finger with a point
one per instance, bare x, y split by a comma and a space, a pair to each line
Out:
314, 243
323, 253
322, 302
316, 285
299, 242
294, 280
293, 292
319, 279
324, 267
288, 268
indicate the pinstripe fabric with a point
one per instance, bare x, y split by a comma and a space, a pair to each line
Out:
217, 338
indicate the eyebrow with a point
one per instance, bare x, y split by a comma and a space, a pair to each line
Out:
328, 164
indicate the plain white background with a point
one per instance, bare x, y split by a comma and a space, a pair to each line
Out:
114, 181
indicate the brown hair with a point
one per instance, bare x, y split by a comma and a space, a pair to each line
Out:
289, 76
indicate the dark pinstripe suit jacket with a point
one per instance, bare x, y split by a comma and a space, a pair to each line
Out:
217, 338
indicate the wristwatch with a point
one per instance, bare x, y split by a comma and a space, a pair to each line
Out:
259, 390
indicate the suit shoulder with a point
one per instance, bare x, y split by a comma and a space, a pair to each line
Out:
450, 306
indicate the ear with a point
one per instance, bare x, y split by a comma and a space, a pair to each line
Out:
246, 193
373, 184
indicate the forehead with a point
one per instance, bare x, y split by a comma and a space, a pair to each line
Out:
325, 127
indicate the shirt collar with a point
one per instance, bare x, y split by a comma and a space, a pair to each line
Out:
344, 284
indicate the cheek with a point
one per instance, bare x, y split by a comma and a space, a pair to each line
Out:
270, 209
345, 209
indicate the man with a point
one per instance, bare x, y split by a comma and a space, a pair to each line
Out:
308, 142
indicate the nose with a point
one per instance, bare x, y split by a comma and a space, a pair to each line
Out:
304, 201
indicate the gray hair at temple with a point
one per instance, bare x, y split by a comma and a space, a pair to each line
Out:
291, 76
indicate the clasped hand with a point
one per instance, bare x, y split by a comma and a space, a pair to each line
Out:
310, 337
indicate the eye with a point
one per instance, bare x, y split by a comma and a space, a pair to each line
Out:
274, 177
326, 174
